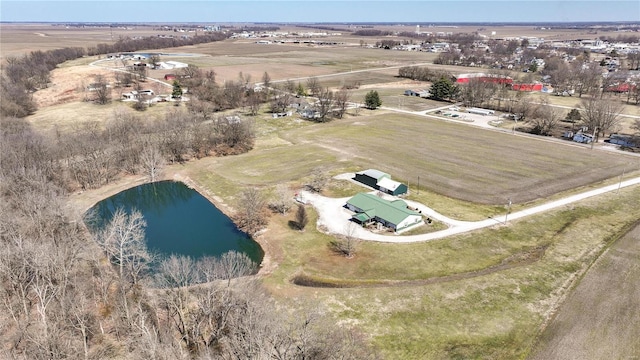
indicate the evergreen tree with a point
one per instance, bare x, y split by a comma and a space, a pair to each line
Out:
372, 100
443, 89
574, 116
300, 91
177, 90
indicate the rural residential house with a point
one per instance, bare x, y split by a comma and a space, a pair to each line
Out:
394, 214
381, 181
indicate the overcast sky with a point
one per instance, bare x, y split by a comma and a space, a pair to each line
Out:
423, 11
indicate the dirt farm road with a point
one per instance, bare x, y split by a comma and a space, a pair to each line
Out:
336, 219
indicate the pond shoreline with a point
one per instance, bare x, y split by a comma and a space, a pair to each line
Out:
84, 200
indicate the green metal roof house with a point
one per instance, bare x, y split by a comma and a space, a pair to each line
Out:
392, 214
381, 181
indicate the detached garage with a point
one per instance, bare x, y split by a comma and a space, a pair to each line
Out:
379, 180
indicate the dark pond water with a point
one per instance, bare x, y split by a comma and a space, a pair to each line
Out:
179, 221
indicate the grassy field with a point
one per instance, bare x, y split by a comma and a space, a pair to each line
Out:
600, 319
460, 161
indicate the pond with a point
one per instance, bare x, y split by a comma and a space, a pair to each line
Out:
179, 221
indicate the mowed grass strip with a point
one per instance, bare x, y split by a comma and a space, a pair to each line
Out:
464, 162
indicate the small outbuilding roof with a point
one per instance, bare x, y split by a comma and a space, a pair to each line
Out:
388, 184
375, 174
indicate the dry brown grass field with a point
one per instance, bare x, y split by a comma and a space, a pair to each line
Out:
601, 318
18, 39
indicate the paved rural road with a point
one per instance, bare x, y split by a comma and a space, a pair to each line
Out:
336, 219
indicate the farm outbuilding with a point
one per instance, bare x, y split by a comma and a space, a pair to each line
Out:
379, 180
527, 87
482, 77
394, 214
480, 111
371, 177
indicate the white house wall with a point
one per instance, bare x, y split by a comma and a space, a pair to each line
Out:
409, 221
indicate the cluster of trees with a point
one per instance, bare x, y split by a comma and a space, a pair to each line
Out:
371, 32
599, 115
595, 113
208, 97
422, 73
92, 155
621, 38
23, 75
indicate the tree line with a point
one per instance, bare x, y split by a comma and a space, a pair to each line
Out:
93, 155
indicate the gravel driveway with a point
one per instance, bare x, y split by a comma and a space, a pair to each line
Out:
334, 218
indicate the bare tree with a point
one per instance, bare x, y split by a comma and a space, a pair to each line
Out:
318, 181
341, 102
101, 89
234, 264
545, 119
348, 243
522, 108
124, 78
477, 92
152, 161
586, 77
123, 242
603, 115
253, 101
266, 84
280, 102
251, 215
324, 105
176, 271
289, 86
313, 84
282, 199
302, 219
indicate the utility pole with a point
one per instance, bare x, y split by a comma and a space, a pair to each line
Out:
506, 216
621, 176
593, 139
